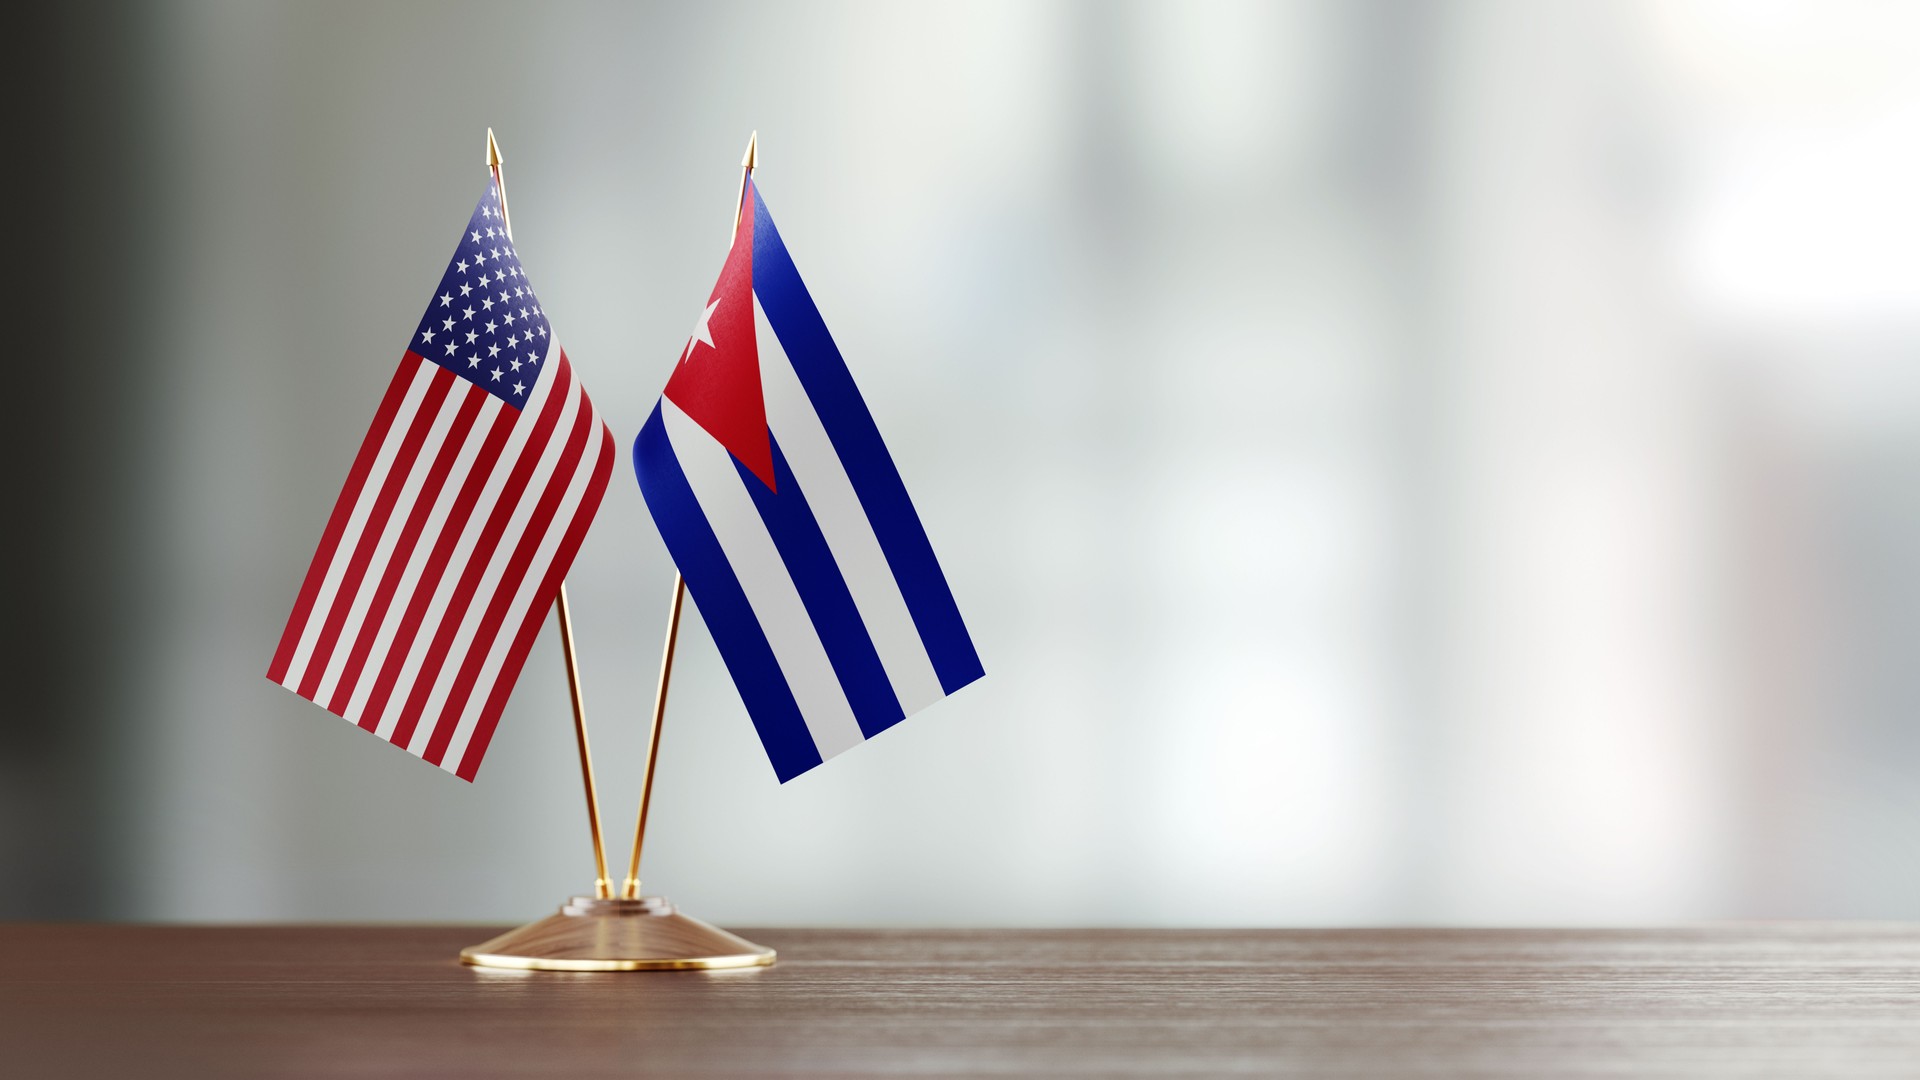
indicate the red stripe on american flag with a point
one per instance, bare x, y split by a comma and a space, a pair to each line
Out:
403, 548
356, 571
544, 511
337, 523
536, 615
437, 559
469, 581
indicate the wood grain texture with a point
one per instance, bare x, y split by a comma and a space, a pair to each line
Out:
1747, 1001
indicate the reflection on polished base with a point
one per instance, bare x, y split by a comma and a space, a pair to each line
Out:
617, 935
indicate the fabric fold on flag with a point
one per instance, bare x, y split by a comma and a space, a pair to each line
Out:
782, 507
461, 514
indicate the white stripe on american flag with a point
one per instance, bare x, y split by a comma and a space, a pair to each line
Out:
411, 671
439, 567
437, 704
439, 424
403, 420
521, 608
435, 526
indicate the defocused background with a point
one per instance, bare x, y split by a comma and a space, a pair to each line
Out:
1449, 462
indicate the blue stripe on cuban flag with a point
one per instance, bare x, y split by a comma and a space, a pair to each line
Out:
723, 602
821, 591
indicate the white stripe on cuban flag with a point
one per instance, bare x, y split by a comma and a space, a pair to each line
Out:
782, 508
749, 549
836, 506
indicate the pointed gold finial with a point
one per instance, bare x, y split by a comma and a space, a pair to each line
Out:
747, 162
499, 182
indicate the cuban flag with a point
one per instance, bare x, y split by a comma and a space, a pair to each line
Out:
782, 508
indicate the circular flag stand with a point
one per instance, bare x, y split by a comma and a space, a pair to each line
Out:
590, 934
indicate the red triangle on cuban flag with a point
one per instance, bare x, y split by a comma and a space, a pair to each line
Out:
717, 381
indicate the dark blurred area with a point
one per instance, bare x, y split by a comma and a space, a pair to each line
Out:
79, 149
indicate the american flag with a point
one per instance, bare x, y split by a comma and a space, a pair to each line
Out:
463, 510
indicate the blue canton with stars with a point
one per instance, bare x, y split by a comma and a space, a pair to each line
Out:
484, 324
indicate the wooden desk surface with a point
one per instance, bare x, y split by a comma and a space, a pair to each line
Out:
1793, 1000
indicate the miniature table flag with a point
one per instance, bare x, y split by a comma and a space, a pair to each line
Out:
461, 514
782, 508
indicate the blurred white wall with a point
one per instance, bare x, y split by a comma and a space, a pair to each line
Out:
1400, 462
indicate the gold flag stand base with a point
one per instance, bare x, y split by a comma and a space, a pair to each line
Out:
617, 935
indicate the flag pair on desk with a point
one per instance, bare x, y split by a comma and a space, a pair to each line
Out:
760, 464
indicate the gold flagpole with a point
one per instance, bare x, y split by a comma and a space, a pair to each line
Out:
630, 888
631, 932
602, 885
